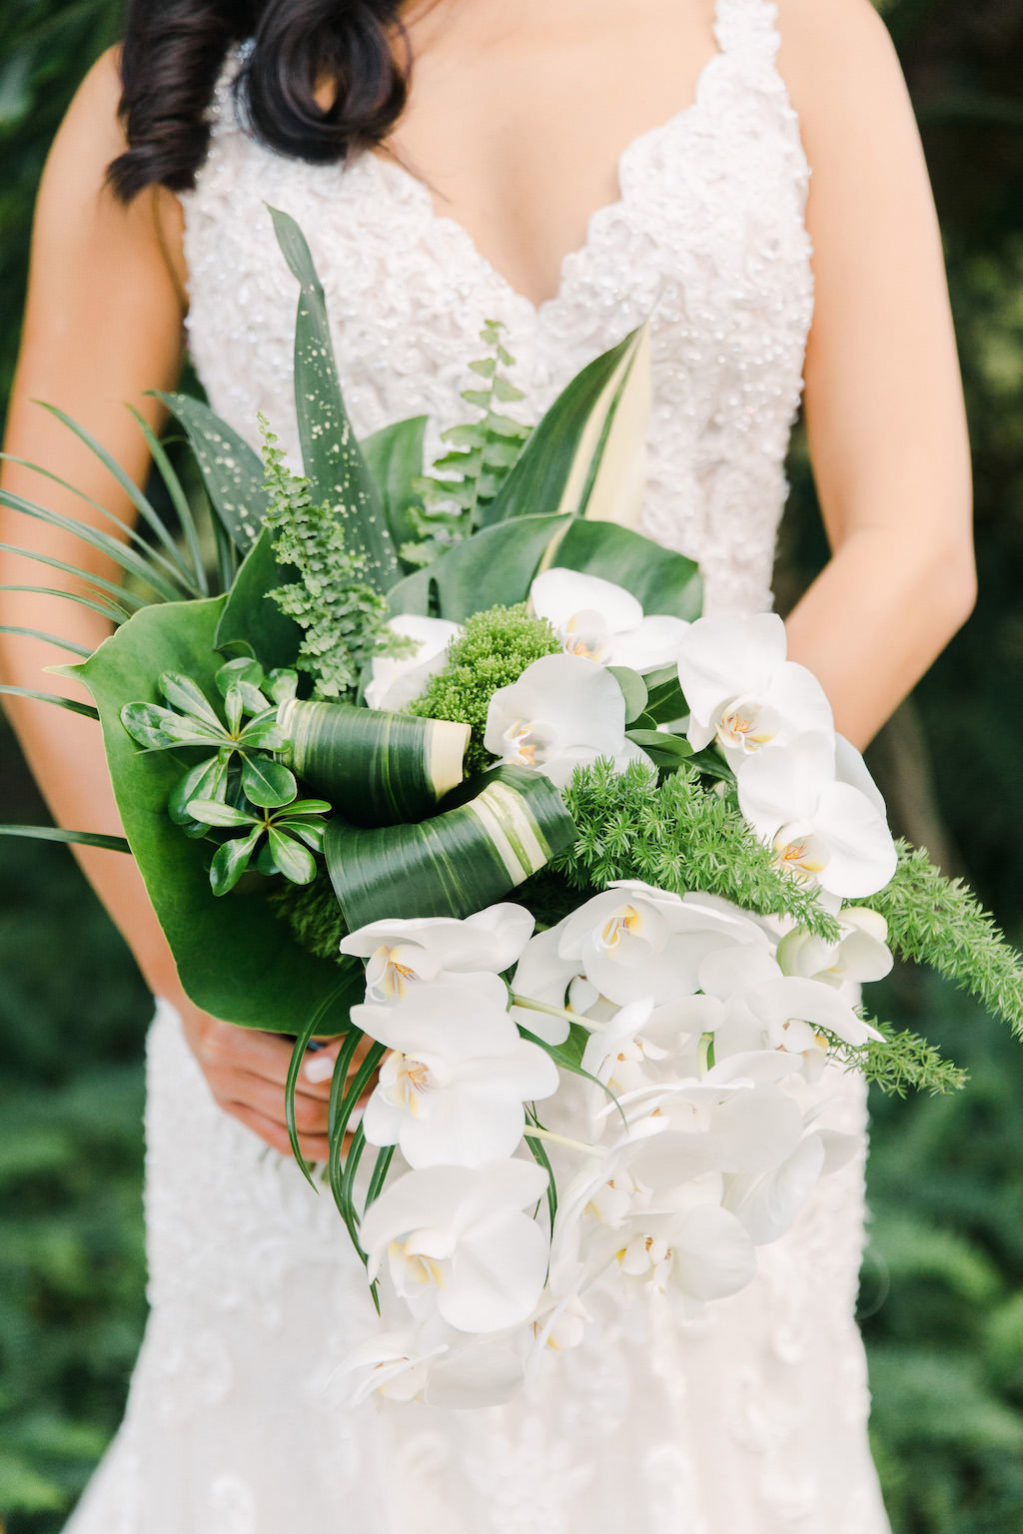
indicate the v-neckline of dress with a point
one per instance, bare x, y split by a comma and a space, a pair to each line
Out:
392, 172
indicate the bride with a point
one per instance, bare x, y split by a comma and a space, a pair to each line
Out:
566, 167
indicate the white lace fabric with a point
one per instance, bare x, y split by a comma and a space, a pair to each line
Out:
752, 1419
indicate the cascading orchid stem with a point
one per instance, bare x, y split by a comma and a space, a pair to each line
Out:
549, 1010
537, 1132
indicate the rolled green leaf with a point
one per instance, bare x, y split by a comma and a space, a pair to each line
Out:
376, 767
462, 860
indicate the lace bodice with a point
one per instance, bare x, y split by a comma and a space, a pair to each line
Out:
707, 237
752, 1418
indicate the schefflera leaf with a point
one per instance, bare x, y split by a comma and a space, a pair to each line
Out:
374, 766
507, 824
234, 957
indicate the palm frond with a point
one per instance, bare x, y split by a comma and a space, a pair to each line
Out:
175, 567
59, 834
146, 510
105, 608
72, 704
121, 595
179, 499
62, 644
143, 569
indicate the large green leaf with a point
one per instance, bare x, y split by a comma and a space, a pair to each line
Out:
587, 454
492, 567
506, 825
251, 617
336, 470
394, 457
234, 957
376, 767
663, 581
232, 471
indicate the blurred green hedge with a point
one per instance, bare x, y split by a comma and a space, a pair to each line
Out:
942, 1293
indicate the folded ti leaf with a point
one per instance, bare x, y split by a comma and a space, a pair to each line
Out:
375, 767
511, 824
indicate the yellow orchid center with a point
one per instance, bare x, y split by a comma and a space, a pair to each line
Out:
406, 1081
627, 920
389, 973
416, 1269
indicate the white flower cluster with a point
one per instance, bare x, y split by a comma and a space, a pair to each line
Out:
680, 1148
804, 789
665, 1038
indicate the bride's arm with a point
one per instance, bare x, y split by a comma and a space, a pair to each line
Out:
103, 324
884, 406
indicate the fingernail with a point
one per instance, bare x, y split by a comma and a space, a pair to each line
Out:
319, 1068
356, 1116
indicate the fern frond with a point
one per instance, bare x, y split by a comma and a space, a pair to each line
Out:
467, 477
342, 617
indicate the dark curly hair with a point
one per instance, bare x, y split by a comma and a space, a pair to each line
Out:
173, 51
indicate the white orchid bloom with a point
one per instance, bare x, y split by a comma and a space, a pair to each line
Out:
401, 953
396, 680
451, 1091
634, 940
860, 955
702, 1251
741, 688
541, 975
767, 1204
458, 1244
603, 622
821, 812
619, 1052
434, 1364
763, 1008
562, 713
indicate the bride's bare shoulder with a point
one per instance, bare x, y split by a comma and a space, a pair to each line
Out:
75, 190
840, 66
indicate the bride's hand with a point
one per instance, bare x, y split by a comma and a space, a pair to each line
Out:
246, 1068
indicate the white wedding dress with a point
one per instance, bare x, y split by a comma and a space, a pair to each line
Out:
751, 1420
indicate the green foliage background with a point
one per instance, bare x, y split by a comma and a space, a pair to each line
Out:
942, 1294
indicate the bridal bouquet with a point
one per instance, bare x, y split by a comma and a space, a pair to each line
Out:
452, 766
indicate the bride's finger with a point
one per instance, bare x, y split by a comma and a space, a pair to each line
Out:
318, 1068
313, 1147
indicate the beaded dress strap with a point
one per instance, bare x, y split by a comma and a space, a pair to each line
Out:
747, 27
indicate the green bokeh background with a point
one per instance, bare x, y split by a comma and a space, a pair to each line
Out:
942, 1292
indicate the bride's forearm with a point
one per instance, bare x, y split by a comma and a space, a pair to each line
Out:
876, 617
